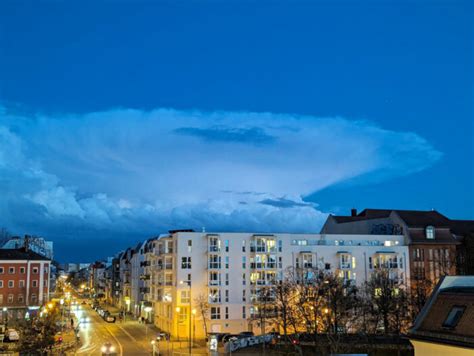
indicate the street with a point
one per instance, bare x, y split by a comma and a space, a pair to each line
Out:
129, 338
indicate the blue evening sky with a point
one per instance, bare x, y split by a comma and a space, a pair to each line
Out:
403, 66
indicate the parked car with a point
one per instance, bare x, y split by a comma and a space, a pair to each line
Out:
108, 349
11, 335
162, 336
109, 318
85, 319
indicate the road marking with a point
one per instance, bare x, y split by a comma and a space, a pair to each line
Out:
128, 334
118, 342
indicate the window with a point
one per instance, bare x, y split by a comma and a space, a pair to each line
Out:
34, 283
244, 296
454, 316
244, 262
186, 262
10, 298
2, 270
327, 266
430, 232
280, 245
244, 280
1, 284
214, 261
370, 262
185, 297
226, 261
215, 313
22, 270
33, 298
280, 262
226, 244
227, 279
11, 284
227, 296
227, 312
244, 316
20, 298
214, 295
21, 283
214, 279
190, 245
214, 244
11, 270
243, 245
35, 270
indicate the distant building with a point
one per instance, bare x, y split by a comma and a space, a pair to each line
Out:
445, 325
74, 267
33, 243
433, 246
24, 281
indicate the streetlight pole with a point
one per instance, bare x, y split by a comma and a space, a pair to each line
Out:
190, 307
153, 343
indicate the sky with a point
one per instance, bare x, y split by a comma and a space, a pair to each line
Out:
120, 120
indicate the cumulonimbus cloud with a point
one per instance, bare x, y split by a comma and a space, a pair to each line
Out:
146, 171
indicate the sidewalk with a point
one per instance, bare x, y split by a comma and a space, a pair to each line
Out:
145, 333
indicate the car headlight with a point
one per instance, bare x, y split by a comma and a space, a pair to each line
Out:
112, 348
88, 319
103, 349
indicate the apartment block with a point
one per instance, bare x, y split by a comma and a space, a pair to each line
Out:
227, 270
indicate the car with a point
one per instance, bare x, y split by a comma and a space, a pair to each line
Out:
228, 337
108, 349
85, 319
162, 336
11, 335
109, 318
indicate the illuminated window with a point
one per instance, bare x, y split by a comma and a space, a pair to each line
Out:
430, 232
185, 296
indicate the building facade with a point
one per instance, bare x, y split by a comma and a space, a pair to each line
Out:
24, 282
433, 247
227, 271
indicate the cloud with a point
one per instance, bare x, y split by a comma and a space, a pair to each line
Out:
253, 135
283, 203
139, 172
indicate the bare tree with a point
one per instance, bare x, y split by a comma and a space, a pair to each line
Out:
202, 305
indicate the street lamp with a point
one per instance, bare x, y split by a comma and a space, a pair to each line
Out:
190, 313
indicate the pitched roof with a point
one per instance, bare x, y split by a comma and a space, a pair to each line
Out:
21, 254
462, 227
431, 324
413, 218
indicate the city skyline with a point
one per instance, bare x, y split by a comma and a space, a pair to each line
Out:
118, 128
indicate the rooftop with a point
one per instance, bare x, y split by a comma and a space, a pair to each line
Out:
21, 254
448, 315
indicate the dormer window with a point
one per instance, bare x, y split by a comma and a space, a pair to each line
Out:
430, 232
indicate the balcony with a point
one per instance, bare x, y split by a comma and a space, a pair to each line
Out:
214, 248
261, 265
214, 283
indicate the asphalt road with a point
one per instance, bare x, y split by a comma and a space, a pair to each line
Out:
129, 338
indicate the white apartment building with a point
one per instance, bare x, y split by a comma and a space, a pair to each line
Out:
227, 270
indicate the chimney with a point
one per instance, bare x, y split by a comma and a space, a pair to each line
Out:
353, 212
